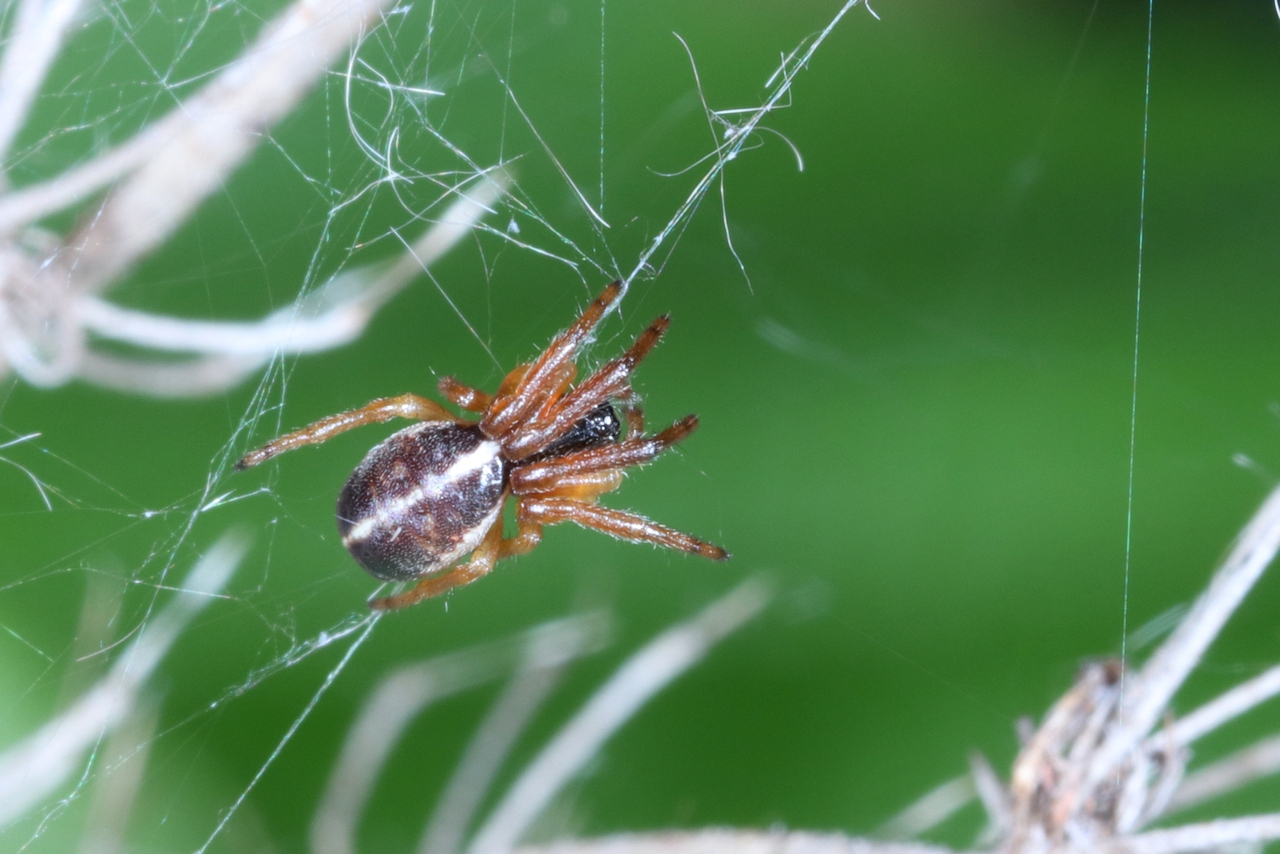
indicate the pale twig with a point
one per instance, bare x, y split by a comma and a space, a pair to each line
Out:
1208, 836
994, 796
179, 159
210, 133
164, 172
1258, 760
1233, 703
28, 205
930, 809
329, 317
32, 769
631, 686
1149, 692
118, 784
194, 378
1168, 761
480, 762
396, 700
36, 38
732, 841
402, 696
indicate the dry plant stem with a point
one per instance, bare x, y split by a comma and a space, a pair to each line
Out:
474, 774
24, 207
994, 797
1224, 833
118, 784
35, 39
197, 378
732, 841
931, 809
632, 685
1233, 703
334, 315
1261, 759
165, 172
32, 769
1167, 763
212, 132
1195, 837
95, 631
1148, 694
405, 693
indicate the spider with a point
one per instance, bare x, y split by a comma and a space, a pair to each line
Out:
434, 492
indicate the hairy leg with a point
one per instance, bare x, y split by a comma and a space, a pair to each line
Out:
612, 380
634, 413
491, 550
617, 523
545, 476
384, 409
482, 560
528, 533
547, 371
464, 396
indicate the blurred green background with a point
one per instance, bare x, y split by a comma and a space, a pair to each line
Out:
915, 415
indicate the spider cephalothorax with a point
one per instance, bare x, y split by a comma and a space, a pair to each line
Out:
433, 492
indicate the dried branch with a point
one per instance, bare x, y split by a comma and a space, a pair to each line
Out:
329, 317
405, 693
931, 809
635, 682
1232, 704
48, 294
32, 769
205, 138
994, 797
474, 774
1148, 694
732, 841
37, 35
118, 784
1208, 836
1258, 760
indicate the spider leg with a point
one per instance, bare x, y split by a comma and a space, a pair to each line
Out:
544, 477
634, 413
384, 409
610, 381
546, 373
617, 523
511, 380
482, 560
528, 533
464, 396
491, 550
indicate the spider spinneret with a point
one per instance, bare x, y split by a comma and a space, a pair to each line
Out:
431, 493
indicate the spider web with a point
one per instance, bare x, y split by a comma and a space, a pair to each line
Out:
543, 117
422, 123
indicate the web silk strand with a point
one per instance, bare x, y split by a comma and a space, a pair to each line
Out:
1137, 337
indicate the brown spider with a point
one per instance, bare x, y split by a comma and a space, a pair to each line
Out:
433, 492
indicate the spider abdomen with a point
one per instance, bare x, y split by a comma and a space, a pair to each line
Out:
421, 499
